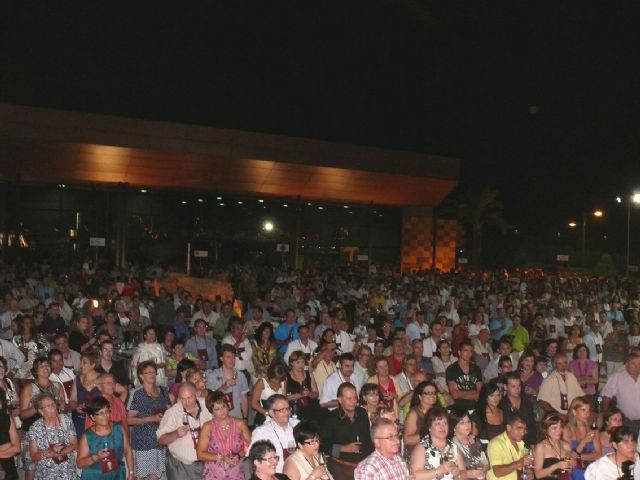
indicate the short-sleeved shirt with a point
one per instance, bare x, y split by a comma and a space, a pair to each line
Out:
627, 391
143, 436
215, 379
466, 382
502, 452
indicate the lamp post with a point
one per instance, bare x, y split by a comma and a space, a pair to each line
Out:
635, 198
573, 224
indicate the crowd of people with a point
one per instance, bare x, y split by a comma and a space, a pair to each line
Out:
325, 374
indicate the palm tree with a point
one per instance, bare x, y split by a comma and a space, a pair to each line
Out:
477, 210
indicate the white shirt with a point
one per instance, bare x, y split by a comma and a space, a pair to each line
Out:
12, 354
627, 391
296, 345
605, 469
182, 447
280, 437
415, 331
429, 347
65, 375
243, 359
330, 386
211, 318
344, 341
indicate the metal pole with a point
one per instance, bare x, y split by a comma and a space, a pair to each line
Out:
628, 232
584, 237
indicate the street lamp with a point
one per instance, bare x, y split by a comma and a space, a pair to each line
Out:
635, 198
268, 226
597, 214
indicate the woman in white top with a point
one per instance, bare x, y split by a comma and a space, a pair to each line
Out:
274, 382
620, 463
306, 462
440, 361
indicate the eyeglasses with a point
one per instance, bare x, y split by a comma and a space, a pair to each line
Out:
429, 393
282, 410
274, 459
390, 437
48, 405
313, 441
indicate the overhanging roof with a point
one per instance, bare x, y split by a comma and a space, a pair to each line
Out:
57, 146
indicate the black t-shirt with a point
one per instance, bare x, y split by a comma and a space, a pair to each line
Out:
118, 371
465, 382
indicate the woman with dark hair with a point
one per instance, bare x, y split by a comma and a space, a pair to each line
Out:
31, 343
263, 461
52, 442
622, 464
177, 379
306, 462
274, 382
531, 378
475, 461
488, 415
80, 338
264, 350
302, 390
9, 440
573, 340
425, 397
84, 387
371, 400
611, 419
147, 404
552, 455
441, 361
196, 377
9, 393
28, 409
435, 457
223, 441
387, 384
585, 370
103, 446
172, 365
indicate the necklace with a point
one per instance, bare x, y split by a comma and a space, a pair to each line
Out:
557, 451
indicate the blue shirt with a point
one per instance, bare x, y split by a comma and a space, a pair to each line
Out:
286, 331
495, 324
181, 329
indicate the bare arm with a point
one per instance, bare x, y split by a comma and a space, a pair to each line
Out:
12, 447
244, 405
411, 434
26, 410
202, 450
463, 394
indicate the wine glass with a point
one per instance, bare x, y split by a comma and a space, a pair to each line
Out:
321, 459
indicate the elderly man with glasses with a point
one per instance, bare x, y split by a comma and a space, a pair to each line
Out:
384, 463
278, 428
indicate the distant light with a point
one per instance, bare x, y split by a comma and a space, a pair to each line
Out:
635, 198
572, 224
268, 226
143, 190
604, 236
351, 212
533, 109
285, 205
598, 213
260, 200
200, 200
218, 198
221, 204
618, 199
240, 202
308, 204
558, 234
345, 206
95, 303
62, 185
184, 202
320, 208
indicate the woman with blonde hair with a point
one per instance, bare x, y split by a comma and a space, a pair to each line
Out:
583, 436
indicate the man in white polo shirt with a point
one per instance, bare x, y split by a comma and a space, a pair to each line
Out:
181, 440
329, 392
625, 387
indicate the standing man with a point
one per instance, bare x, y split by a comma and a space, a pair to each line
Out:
207, 314
418, 329
504, 349
117, 369
322, 365
625, 387
329, 392
593, 340
303, 344
241, 343
559, 388
430, 344
278, 428
506, 452
464, 378
181, 440
384, 463
230, 382
202, 347
346, 435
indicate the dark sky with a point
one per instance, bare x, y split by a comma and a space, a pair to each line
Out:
538, 99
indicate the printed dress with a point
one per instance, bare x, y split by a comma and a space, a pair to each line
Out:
434, 456
224, 441
61, 468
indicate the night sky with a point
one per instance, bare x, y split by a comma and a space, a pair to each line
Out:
538, 99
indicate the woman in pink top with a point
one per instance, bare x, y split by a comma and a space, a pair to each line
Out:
585, 370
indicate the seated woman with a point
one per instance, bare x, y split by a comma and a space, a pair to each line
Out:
585, 442
263, 461
425, 397
488, 416
441, 361
475, 461
622, 464
223, 441
52, 442
301, 388
552, 455
612, 419
306, 462
435, 457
